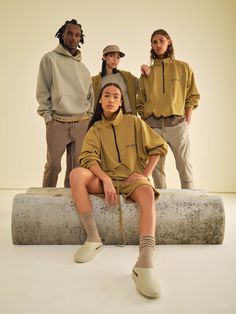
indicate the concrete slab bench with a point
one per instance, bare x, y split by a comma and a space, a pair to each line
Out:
48, 216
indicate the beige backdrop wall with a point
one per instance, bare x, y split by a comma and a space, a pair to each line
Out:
203, 34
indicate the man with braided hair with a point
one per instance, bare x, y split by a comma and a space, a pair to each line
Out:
66, 101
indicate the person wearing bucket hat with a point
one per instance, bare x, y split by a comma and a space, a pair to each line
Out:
109, 73
113, 48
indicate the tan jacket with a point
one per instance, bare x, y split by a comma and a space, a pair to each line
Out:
131, 82
120, 147
168, 90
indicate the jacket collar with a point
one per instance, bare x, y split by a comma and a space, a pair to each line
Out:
117, 120
166, 60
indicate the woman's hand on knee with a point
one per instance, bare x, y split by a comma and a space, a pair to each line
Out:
110, 193
135, 176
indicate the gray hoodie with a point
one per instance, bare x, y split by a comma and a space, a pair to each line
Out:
64, 87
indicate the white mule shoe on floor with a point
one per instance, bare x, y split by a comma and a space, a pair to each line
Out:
87, 252
146, 282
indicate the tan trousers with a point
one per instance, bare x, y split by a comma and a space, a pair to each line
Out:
178, 139
63, 136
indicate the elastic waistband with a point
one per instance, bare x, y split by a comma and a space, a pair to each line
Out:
70, 119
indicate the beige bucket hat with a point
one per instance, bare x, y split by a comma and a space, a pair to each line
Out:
113, 48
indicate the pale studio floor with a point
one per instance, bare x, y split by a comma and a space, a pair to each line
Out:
45, 280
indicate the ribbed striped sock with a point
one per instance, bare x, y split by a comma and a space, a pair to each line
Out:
146, 251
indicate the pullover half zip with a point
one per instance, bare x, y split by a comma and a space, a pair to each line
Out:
163, 77
117, 149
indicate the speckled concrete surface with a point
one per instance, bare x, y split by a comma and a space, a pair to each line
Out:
48, 216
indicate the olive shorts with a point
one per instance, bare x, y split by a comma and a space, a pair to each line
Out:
127, 189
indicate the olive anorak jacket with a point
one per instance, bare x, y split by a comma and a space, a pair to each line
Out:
120, 147
168, 90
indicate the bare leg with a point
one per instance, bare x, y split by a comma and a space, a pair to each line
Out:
83, 182
144, 197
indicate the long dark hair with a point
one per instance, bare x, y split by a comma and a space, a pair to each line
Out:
62, 29
104, 68
170, 50
98, 109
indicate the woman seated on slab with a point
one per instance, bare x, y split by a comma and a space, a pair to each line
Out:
119, 153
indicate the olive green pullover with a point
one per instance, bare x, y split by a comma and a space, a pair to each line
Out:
120, 147
168, 90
